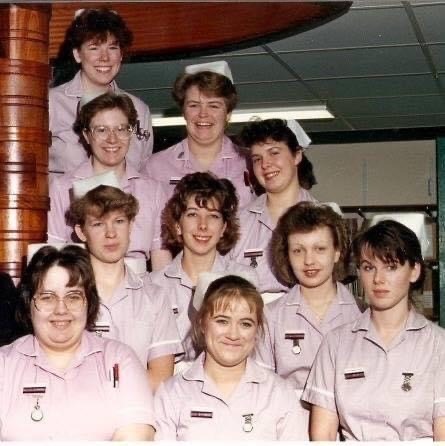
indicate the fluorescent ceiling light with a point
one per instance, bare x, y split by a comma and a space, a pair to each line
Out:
299, 113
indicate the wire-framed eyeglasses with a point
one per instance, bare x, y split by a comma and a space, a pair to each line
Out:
103, 132
47, 300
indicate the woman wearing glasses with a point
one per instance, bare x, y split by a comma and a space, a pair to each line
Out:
105, 126
60, 382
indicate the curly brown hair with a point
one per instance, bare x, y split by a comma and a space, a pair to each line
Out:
305, 217
219, 296
204, 187
210, 83
100, 201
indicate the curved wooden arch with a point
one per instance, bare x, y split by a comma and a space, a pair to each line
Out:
174, 29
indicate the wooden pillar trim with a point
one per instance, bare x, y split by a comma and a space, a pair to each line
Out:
24, 76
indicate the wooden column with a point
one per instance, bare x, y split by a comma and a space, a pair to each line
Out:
24, 75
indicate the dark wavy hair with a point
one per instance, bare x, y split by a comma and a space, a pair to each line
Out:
210, 83
100, 201
257, 132
88, 25
391, 242
220, 294
305, 217
76, 261
204, 186
106, 101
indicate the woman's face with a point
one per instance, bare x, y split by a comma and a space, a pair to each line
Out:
108, 148
312, 256
100, 61
60, 328
230, 335
201, 228
205, 116
386, 285
275, 166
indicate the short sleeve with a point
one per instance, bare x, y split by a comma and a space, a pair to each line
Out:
439, 381
320, 385
166, 415
161, 199
165, 338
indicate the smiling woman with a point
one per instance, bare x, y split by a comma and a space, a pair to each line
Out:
57, 379
200, 222
105, 126
207, 96
224, 387
96, 41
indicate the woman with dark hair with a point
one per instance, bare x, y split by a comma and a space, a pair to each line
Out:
55, 380
225, 395
95, 43
276, 156
382, 377
106, 126
200, 221
309, 246
206, 96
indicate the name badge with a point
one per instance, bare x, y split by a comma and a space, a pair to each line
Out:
354, 373
100, 328
34, 389
174, 180
201, 414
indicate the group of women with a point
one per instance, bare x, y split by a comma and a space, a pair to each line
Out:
274, 346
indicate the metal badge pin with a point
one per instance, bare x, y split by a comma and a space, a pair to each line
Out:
295, 338
37, 414
248, 426
140, 132
406, 385
296, 349
252, 254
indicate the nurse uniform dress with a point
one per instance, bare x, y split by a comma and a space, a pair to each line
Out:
294, 334
189, 407
170, 165
381, 393
139, 315
87, 401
